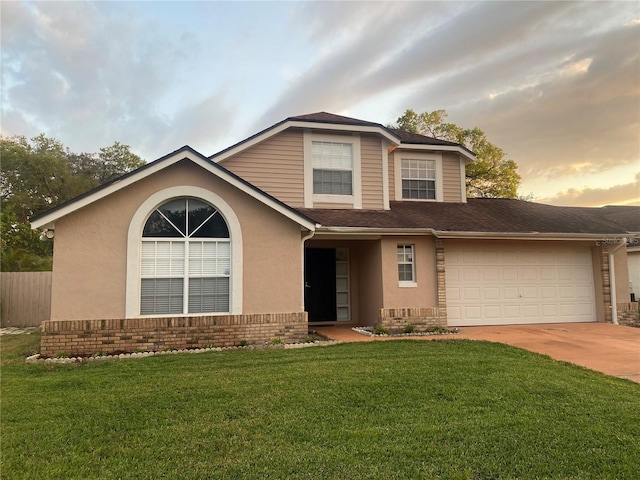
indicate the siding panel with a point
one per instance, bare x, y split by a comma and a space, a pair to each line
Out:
371, 155
275, 166
451, 178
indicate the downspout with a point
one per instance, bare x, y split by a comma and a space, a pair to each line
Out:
304, 283
612, 282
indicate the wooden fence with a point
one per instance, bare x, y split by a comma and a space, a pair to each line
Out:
25, 298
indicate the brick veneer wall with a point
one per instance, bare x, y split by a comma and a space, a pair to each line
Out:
628, 313
396, 319
85, 337
606, 282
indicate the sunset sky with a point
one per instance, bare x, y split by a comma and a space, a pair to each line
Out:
556, 85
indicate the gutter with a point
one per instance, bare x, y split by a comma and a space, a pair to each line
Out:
612, 282
373, 231
309, 236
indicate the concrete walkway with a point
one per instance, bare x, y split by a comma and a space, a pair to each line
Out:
607, 348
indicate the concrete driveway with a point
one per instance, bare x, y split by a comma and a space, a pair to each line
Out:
607, 348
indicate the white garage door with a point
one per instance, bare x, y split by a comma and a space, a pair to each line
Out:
503, 284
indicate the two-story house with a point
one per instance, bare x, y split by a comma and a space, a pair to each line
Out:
319, 218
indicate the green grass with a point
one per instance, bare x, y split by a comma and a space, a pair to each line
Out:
449, 409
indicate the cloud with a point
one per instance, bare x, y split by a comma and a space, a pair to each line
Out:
348, 51
101, 70
624, 194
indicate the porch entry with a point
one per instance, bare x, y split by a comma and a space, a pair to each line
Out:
326, 292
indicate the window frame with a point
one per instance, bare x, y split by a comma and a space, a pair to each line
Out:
187, 240
412, 249
311, 198
134, 247
399, 156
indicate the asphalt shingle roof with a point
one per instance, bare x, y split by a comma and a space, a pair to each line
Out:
486, 215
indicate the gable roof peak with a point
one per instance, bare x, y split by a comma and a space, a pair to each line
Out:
326, 117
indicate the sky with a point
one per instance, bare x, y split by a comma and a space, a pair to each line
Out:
556, 85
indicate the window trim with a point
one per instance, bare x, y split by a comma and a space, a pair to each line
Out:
397, 170
134, 246
407, 283
311, 198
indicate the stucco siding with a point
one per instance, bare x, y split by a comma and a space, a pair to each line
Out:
275, 166
451, 187
371, 162
370, 293
90, 261
425, 292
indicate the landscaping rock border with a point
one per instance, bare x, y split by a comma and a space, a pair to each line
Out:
97, 358
369, 331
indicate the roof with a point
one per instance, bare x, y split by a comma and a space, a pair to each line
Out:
330, 121
627, 216
478, 215
48, 217
325, 117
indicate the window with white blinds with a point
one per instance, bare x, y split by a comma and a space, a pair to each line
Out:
332, 168
185, 260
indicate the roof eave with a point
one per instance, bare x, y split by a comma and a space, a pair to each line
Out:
445, 234
286, 124
528, 235
47, 219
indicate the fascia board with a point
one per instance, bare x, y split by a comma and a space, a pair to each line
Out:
526, 236
364, 231
48, 220
261, 137
439, 148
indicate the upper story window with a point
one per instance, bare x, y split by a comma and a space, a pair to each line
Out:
332, 168
418, 179
418, 176
185, 259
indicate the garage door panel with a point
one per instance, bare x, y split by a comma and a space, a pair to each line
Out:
511, 293
547, 274
505, 284
470, 274
472, 313
469, 294
491, 293
548, 292
490, 274
510, 274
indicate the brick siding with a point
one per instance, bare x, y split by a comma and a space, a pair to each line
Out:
628, 313
85, 337
396, 319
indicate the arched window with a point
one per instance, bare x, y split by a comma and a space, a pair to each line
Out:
185, 259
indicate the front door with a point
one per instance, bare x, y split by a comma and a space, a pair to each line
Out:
320, 284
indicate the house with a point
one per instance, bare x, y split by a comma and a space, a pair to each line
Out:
318, 219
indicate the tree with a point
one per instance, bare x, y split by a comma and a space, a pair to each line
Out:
37, 175
490, 175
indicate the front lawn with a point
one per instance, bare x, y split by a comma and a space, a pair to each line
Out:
449, 409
